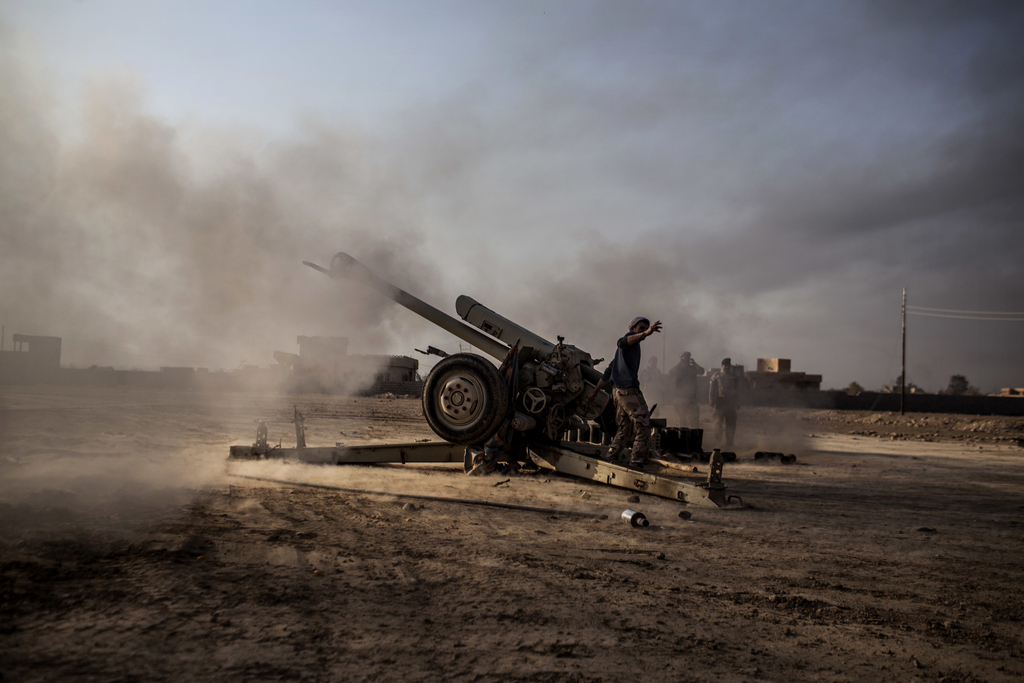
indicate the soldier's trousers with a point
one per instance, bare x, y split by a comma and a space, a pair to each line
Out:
633, 420
688, 412
725, 423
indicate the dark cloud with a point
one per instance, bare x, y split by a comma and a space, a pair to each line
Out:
800, 164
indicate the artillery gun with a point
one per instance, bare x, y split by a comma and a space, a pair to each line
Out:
464, 397
466, 400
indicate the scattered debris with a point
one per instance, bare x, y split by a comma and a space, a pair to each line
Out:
633, 499
685, 514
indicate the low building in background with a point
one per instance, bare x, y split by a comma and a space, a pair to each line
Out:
33, 360
322, 365
775, 374
329, 354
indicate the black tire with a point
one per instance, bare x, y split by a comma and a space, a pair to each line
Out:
464, 399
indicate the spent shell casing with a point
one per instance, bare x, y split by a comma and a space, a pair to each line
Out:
634, 518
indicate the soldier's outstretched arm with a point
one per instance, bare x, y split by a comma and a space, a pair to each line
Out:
640, 336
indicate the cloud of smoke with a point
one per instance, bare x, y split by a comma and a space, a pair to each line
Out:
761, 203
141, 252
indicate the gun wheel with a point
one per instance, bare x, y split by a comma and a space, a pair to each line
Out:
464, 399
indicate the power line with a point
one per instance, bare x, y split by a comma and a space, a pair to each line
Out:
966, 317
953, 310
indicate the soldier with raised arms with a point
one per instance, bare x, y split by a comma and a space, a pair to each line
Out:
632, 416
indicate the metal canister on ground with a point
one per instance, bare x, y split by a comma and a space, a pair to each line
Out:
634, 518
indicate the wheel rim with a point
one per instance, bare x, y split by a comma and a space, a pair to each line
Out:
461, 399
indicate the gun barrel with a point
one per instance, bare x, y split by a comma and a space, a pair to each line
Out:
344, 267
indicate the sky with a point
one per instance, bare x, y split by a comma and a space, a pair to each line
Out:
765, 178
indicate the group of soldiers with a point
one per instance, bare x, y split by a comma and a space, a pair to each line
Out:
679, 386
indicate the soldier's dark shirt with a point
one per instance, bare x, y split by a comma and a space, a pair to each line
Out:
624, 368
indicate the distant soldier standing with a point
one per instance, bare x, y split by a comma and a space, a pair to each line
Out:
682, 382
631, 414
723, 395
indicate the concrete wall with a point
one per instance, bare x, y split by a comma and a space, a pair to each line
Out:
870, 400
34, 360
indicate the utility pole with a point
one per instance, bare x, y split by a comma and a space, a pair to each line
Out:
903, 362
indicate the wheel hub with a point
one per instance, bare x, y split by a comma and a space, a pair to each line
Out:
460, 398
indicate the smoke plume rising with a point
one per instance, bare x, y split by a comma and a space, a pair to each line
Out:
764, 180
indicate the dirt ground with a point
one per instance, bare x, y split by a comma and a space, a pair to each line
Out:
891, 551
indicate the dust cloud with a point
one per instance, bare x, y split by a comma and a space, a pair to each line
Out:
591, 300
113, 458
142, 247
708, 202
145, 242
